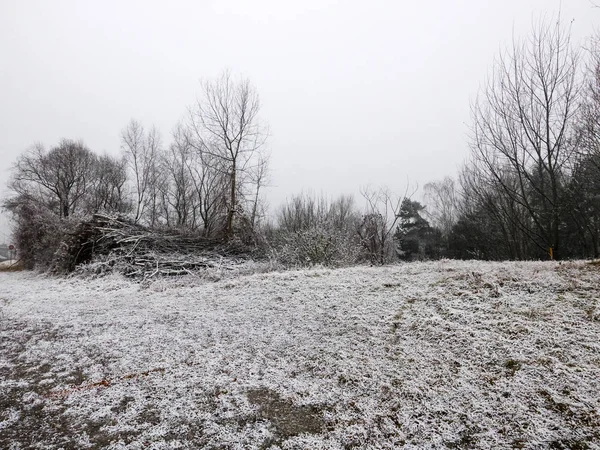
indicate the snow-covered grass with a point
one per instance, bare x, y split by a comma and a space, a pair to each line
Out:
424, 355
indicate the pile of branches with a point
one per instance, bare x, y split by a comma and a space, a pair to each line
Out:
105, 244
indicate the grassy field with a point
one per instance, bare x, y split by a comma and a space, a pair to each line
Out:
425, 355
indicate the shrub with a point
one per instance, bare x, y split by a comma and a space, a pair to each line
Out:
315, 231
38, 233
318, 245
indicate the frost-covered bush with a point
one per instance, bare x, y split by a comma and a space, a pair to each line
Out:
319, 245
38, 233
316, 231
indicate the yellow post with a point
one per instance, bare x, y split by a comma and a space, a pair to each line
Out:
551, 254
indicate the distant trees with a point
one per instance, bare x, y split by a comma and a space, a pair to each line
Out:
209, 179
530, 188
415, 237
378, 223
50, 187
142, 151
391, 227
70, 178
582, 221
108, 186
523, 124
583, 190
442, 200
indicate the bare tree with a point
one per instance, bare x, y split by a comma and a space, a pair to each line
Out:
211, 185
482, 198
589, 118
379, 222
259, 177
142, 151
180, 188
306, 210
107, 192
203, 178
522, 123
61, 176
225, 126
302, 212
132, 144
441, 198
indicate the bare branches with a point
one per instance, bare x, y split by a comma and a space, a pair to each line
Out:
225, 129
108, 186
142, 151
379, 222
522, 124
315, 230
59, 178
442, 204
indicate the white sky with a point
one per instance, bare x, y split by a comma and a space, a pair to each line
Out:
355, 92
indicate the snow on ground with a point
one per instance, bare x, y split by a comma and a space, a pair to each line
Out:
424, 355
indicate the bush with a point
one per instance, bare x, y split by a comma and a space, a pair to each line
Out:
315, 231
38, 233
319, 245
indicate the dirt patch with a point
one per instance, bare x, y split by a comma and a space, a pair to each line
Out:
11, 266
288, 420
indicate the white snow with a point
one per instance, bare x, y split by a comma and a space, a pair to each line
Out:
419, 355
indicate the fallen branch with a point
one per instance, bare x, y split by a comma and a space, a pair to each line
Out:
106, 244
102, 383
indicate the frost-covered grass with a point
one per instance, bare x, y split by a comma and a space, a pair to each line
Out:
424, 355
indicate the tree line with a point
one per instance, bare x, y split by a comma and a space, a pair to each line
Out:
530, 188
208, 179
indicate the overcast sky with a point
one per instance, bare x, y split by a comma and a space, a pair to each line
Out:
355, 92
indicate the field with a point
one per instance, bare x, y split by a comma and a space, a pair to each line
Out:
423, 355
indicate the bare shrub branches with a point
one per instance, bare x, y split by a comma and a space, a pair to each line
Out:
314, 230
379, 223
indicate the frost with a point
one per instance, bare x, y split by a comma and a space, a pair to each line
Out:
441, 354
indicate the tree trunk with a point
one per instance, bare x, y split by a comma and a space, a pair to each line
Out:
232, 206
65, 208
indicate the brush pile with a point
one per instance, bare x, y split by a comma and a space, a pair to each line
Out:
107, 244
